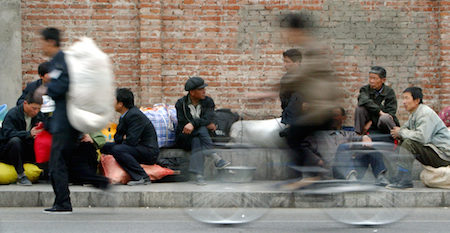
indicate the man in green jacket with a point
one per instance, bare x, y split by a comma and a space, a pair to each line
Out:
423, 137
377, 105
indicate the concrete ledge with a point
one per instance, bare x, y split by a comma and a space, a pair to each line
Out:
183, 194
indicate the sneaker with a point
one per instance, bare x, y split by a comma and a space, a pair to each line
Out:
381, 180
54, 210
23, 180
222, 164
197, 179
404, 181
352, 176
143, 181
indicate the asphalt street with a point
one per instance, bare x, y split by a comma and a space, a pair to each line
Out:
111, 220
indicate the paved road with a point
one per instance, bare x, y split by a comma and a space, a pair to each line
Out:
111, 220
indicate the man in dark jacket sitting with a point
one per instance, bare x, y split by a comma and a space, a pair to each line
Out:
135, 140
43, 71
17, 135
377, 105
195, 113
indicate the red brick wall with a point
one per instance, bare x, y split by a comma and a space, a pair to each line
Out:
234, 44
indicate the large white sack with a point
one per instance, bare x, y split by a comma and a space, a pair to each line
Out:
91, 91
260, 133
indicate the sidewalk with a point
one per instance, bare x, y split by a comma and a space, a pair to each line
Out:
184, 194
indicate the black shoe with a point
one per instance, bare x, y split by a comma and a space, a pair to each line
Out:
23, 181
54, 210
404, 181
143, 181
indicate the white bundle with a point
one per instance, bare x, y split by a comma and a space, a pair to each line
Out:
260, 133
91, 91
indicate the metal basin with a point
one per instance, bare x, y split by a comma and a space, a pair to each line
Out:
237, 174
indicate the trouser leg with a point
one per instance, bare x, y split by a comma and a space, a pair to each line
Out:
361, 118
385, 124
63, 145
129, 157
201, 146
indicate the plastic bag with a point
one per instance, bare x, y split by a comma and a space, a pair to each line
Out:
436, 177
90, 98
42, 145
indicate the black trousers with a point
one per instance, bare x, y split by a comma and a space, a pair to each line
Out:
63, 146
129, 158
18, 151
83, 167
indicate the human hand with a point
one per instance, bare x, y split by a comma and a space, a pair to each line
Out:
211, 127
395, 132
35, 131
87, 138
188, 128
366, 141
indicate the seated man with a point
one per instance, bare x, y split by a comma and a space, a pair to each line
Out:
324, 147
423, 137
17, 135
43, 71
377, 105
195, 113
135, 141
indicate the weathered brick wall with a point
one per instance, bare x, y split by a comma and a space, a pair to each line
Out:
234, 44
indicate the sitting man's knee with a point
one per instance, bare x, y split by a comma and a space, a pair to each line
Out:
385, 119
15, 141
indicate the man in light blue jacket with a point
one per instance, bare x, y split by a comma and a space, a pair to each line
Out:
423, 137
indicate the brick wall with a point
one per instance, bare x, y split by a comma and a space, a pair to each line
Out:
234, 44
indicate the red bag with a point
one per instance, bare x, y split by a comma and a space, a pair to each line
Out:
42, 145
117, 175
156, 172
113, 171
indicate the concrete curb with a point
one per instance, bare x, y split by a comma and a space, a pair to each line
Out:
256, 194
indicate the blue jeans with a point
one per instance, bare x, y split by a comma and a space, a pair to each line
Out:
348, 160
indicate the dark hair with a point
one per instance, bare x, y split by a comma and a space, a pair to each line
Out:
51, 34
43, 68
378, 70
125, 96
31, 99
294, 54
416, 93
298, 21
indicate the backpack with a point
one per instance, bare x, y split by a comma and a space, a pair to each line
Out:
223, 118
90, 99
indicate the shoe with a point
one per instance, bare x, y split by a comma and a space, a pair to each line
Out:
199, 179
381, 180
23, 180
404, 180
143, 181
222, 164
54, 210
352, 176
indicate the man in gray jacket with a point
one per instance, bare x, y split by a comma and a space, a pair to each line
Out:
423, 137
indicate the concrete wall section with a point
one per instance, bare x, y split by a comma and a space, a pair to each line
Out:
10, 52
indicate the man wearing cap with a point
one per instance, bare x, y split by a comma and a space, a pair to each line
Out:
195, 113
377, 105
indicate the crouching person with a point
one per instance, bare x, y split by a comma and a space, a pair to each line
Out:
83, 163
135, 141
423, 137
195, 113
17, 135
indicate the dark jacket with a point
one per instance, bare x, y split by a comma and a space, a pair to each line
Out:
14, 124
57, 90
386, 101
31, 87
184, 117
184, 113
138, 129
291, 102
